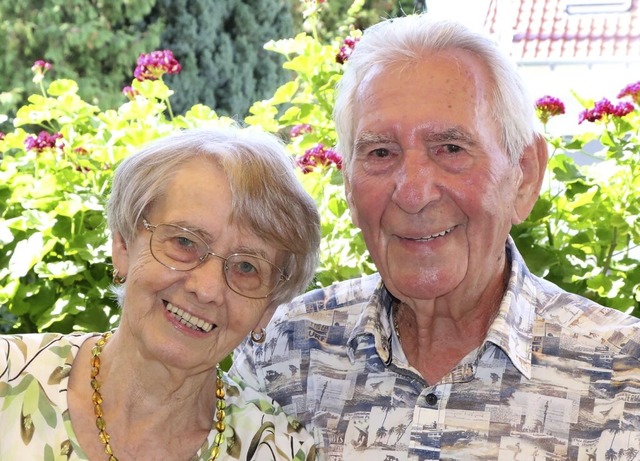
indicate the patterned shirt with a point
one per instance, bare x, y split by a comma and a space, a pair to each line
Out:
557, 378
34, 415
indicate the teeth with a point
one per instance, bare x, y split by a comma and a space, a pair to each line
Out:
431, 237
189, 320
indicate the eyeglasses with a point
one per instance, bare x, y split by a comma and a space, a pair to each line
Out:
180, 249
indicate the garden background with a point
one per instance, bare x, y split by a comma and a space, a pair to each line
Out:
84, 84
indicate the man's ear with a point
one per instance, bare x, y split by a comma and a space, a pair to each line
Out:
533, 165
120, 254
349, 196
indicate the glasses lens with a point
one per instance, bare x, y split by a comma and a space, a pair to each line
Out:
177, 248
251, 276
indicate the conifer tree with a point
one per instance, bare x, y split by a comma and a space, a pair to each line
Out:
220, 46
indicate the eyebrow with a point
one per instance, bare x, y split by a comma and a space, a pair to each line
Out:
209, 240
450, 135
368, 138
453, 134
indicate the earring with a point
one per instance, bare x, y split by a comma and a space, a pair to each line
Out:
117, 279
259, 337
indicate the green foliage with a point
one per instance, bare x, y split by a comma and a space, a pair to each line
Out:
93, 43
584, 231
220, 45
54, 247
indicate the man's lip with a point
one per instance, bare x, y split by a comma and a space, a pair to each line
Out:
426, 238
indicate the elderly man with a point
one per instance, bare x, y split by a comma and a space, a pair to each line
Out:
454, 350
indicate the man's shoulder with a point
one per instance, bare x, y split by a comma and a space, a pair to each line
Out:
349, 295
585, 317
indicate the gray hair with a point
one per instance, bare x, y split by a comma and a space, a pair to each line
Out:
267, 197
409, 39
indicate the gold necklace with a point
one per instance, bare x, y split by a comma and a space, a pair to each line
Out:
102, 425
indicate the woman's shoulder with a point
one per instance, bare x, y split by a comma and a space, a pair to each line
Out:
26, 353
254, 416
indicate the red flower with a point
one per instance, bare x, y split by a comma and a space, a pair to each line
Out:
152, 66
130, 92
44, 141
346, 49
547, 107
604, 108
40, 67
318, 156
300, 129
632, 90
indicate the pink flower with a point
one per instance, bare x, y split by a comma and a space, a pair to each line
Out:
152, 66
318, 156
604, 108
632, 90
346, 49
40, 67
547, 107
130, 92
2, 135
300, 129
43, 141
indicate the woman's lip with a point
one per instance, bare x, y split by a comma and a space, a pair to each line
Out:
189, 320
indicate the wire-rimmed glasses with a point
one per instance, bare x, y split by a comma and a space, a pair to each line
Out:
180, 249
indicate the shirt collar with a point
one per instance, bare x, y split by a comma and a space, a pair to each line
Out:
374, 321
511, 330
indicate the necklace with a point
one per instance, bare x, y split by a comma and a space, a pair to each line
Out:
101, 424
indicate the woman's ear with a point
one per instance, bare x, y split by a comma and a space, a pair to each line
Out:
533, 166
120, 254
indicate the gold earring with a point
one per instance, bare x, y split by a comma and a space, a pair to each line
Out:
259, 337
117, 279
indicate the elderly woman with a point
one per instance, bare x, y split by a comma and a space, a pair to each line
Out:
211, 231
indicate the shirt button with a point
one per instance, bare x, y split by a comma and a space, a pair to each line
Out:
432, 399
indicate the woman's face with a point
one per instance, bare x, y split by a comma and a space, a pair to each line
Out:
189, 319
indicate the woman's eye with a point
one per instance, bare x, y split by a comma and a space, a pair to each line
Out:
246, 267
184, 242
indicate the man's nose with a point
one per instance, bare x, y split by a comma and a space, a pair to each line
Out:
416, 182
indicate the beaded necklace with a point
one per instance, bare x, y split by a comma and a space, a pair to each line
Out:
101, 424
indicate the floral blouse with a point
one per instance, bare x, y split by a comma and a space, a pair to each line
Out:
34, 415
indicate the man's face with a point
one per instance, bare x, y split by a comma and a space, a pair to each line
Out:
430, 186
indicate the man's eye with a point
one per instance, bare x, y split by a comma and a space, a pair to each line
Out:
379, 153
452, 148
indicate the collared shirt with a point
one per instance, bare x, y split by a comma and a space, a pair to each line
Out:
557, 378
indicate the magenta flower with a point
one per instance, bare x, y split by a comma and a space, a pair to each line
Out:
43, 141
300, 129
632, 90
318, 156
346, 49
604, 108
152, 66
547, 107
40, 67
130, 92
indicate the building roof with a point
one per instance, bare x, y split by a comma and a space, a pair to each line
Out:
575, 30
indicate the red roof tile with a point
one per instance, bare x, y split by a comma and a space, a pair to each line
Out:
548, 30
